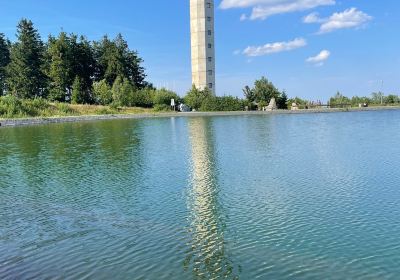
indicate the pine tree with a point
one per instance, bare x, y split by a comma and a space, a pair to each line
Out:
82, 61
59, 70
4, 61
25, 76
78, 92
114, 58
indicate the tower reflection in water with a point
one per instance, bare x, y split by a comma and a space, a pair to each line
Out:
207, 255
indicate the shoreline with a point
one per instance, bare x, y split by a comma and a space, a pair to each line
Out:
90, 118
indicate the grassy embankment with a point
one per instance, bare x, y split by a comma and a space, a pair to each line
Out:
11, 108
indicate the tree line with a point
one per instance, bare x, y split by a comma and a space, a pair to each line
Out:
69, 68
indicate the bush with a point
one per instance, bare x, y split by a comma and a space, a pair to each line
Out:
195, 97
11, 106
102, 93
122, 92
225, 103
163, 97
143, 98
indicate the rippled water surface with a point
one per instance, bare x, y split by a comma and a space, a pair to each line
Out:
248, 197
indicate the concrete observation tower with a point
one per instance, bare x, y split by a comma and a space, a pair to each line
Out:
202, 43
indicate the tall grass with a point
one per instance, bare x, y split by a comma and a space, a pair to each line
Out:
12, 107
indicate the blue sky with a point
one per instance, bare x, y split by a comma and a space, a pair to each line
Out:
310, 48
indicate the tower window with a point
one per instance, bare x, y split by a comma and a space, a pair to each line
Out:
208, 18
210, 72
209, 46
209, 32
209, 5
210, 85
209, 59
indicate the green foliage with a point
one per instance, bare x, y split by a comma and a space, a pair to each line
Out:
59, 70
122, 92
64, 108
11, 106
164, 96
355, 101
195, 97
249, 94
282, 100
102, 93
301, 103
262, 93
25, 77
143, 98
392, 99
79, 93
114, 58
377, 97
339, 100
265, 90
4, 61
224, 103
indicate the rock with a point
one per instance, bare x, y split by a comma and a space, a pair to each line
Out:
272, 105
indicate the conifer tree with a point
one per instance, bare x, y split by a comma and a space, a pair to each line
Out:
78, 92
25, 77
83, 61
114, 58
59, 70
4, 61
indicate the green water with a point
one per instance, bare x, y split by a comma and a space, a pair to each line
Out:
248, 197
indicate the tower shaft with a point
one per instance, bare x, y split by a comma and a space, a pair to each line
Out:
202, 43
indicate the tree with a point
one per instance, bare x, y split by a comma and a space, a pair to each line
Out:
265, 90
377, 97
195, 97
282, 101
25, 77
4, 61
83, 61
60, 72
114, 58
339, 100
102, 93
249, 94
392, 99
122, 92
79, 94
164, 96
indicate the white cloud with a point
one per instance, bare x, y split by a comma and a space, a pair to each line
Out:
350, 18
243, 17
275, 47
320, 58
312, 18
263, 9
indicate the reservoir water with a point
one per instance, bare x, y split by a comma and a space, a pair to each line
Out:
313, 196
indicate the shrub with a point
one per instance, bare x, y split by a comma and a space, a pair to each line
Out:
163, 97
11, 106
102, 93
224, 103
143, 98
122, 92
195, 97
